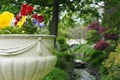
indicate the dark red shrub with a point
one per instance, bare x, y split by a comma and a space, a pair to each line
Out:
101, 45
100, 29
111, 36
96, 26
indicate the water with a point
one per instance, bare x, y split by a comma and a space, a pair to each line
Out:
82, 74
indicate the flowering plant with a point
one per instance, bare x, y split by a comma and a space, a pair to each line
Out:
99, 36
93, 32
101, 45
23, 23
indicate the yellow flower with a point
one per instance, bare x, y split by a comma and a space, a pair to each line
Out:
22, 21
5, 19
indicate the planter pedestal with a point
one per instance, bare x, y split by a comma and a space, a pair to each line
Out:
26, 57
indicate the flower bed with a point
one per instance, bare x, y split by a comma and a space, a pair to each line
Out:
25, 22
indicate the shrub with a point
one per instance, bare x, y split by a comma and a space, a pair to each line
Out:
101, 45
64, 60
92, 56
92, 36
62, 44
56, 74
112, 64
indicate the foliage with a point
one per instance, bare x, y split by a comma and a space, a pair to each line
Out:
63, 32
111, 36
92, 56
101, 45
84, 48
92, 36
79, 8
64, 64
70, 12
62, 44
64, 60
95, 34
112, 64
11, 8
11, 30
111, 15
26, 30
96, 58
56, 74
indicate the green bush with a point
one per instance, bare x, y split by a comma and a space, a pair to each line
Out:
56, 74
62, 44
64, 60
91, 56
92, 36
112, 64
115, 75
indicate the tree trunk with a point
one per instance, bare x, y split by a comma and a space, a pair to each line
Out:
55, 17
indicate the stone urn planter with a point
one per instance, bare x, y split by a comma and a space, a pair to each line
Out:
26, 57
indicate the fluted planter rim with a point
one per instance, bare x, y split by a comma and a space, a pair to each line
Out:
30, 35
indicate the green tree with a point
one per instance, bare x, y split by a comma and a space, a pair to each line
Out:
111, 18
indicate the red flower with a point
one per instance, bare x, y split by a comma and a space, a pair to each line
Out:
15, 23
23, 12
101, 45
35, 16
18, 17
39, 18
26, 9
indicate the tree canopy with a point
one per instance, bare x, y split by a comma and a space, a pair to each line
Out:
111, 18
70, 11
82, 8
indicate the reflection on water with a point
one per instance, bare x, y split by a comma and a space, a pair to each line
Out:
82, 74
